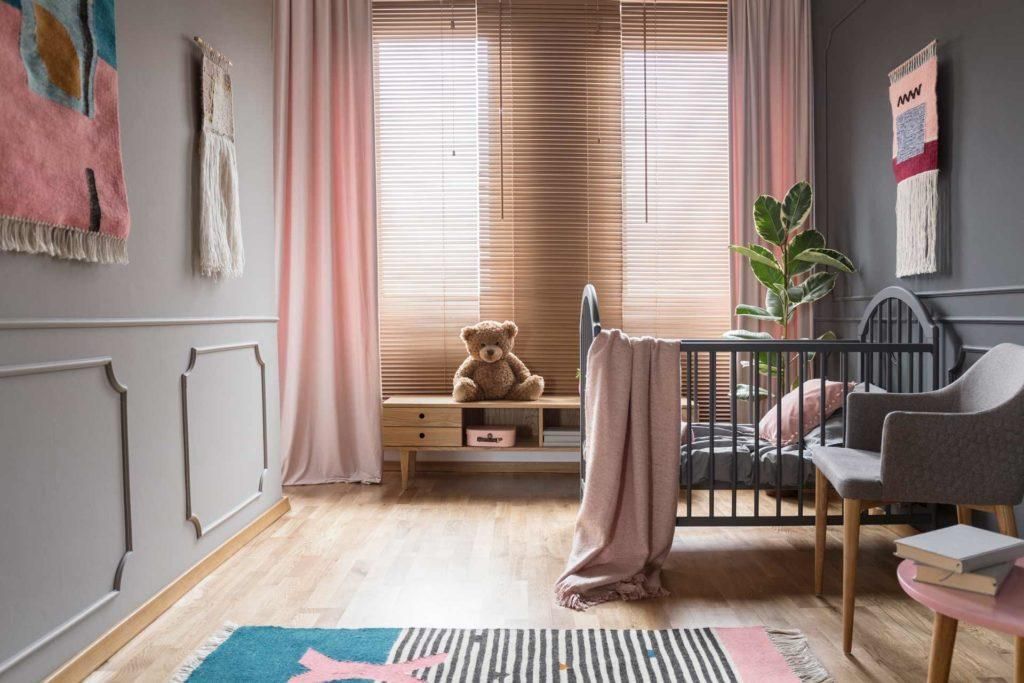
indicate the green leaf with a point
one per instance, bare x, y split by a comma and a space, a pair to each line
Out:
747, 334
827, 336
797, 206
756, 253
801, 242
773, 304
768, 219
755, 312
769, 276
828, 257
817, 286
745, 392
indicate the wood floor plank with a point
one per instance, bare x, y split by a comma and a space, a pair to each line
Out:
484, 550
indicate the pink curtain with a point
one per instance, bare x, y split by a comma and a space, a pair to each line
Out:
770, 123
324, 185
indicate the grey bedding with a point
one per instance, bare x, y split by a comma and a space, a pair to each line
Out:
697, 453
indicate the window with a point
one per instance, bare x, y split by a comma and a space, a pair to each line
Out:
425, 99
676, 175
527, 147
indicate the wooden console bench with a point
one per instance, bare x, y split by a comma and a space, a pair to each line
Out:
437, 423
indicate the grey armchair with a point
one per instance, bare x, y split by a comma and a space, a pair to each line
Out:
961, 445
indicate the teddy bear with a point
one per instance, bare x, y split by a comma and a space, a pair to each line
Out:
492, 371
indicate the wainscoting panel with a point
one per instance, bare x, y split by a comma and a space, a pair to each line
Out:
224, 415
64, 498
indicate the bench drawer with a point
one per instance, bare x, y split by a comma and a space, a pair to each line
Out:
422, 436
424, 416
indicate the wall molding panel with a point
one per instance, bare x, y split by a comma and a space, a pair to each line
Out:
107, 365
98, 323
202, 528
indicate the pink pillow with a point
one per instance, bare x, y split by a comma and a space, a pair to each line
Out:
790, 406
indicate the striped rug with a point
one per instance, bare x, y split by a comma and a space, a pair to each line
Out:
301, 655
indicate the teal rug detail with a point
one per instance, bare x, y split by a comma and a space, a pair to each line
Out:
408, 655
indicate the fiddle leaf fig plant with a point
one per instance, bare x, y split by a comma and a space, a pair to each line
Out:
795, 267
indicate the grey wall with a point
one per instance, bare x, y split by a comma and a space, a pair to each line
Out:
980, 292
62, 502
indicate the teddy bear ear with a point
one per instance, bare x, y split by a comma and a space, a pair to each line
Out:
509, 328
467, 333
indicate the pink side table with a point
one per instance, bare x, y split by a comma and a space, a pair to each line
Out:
1004, 612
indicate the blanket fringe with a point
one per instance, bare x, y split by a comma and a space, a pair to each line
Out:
793, 647
917, 202
32, 237
199, 656
635, 588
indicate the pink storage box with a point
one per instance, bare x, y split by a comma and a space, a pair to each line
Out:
491, 436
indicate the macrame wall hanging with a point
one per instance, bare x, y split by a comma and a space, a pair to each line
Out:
915, 150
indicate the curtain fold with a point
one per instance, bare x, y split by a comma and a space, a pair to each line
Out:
324, 186
770, 124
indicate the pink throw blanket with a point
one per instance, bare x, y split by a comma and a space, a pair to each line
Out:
626, 522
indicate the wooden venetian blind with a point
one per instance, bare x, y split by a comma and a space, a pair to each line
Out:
425, 102
676, 175
551, 172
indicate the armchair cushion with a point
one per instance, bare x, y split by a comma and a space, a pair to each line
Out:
865, 413
853, 472
953, 457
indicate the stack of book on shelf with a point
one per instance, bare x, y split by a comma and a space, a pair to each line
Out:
962, 557
562, 436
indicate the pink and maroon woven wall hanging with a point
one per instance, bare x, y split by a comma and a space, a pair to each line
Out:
915, 152
62, 190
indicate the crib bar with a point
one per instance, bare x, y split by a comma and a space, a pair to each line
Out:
780, 374
899, 340
691, 397
800, 373
755, 371
733, 370
711, 421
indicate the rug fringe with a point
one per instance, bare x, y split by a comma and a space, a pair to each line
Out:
32, 237
793, 647
205, 650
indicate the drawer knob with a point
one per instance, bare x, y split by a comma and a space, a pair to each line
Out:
422, 435
422, 416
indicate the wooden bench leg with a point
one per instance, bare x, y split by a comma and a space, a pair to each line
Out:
406, 457
943, 639
820, 529
1018, 660
851, 546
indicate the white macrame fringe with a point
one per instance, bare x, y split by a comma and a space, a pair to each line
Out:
793, 647
32, 237
917, 205
915, 62
220, 224
199, 656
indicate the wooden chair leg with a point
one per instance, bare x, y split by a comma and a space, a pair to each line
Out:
943, 639
1007, 520
820, 529
964, 514
851, 545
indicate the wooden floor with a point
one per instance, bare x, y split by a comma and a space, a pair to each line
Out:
479, 550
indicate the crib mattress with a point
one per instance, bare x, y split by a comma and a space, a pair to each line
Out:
751, 458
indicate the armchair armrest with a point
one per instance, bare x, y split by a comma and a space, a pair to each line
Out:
952, 458
866, 412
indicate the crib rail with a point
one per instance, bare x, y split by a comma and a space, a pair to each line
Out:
898, 350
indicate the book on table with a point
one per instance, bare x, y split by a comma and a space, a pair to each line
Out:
986, 581
962, 557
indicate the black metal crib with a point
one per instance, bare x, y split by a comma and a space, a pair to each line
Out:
898, 348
